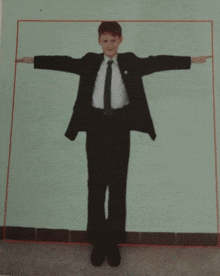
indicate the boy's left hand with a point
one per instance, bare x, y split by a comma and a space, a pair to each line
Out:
200, 59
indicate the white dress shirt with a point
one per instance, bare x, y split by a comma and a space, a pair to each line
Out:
119, 96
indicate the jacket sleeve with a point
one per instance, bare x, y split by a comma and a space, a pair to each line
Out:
59, 63
154, 64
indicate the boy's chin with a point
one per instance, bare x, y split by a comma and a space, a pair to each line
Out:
110, 55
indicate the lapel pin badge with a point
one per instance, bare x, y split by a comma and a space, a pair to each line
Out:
126, 72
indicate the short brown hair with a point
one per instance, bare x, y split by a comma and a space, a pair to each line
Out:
111, 27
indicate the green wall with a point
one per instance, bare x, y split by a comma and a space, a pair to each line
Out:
171, 181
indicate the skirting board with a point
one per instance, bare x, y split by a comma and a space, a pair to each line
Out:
142, 238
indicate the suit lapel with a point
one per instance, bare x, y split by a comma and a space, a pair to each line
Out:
90, 72
124, 70
99, 61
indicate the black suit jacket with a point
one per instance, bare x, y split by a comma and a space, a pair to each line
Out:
132, 70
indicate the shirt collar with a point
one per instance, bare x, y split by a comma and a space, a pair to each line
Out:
106, 59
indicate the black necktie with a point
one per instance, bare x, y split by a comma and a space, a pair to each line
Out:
107, 91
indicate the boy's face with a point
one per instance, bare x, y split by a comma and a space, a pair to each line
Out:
109, 44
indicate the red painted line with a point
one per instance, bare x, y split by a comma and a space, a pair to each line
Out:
215, 140
149, 21
10, 141
122, 244
166, 21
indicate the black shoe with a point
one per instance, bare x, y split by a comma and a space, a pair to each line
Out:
113, 256
98, 255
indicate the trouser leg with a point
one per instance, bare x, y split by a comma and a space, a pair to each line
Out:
107, 166
97, 184
117, 191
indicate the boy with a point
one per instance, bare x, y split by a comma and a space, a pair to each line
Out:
111, 101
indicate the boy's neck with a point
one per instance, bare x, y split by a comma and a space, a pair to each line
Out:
114, 57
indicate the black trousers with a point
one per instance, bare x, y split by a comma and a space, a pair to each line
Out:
108, 148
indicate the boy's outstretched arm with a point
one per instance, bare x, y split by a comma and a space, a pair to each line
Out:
200, 59
26, 60
58, 63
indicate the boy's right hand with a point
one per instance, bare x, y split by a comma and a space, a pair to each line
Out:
26, 60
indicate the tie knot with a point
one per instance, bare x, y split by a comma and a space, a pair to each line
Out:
110, 62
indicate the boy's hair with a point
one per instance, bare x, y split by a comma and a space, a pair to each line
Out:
111, 27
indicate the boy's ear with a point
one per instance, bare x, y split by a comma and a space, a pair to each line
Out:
121, 39
99, 41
